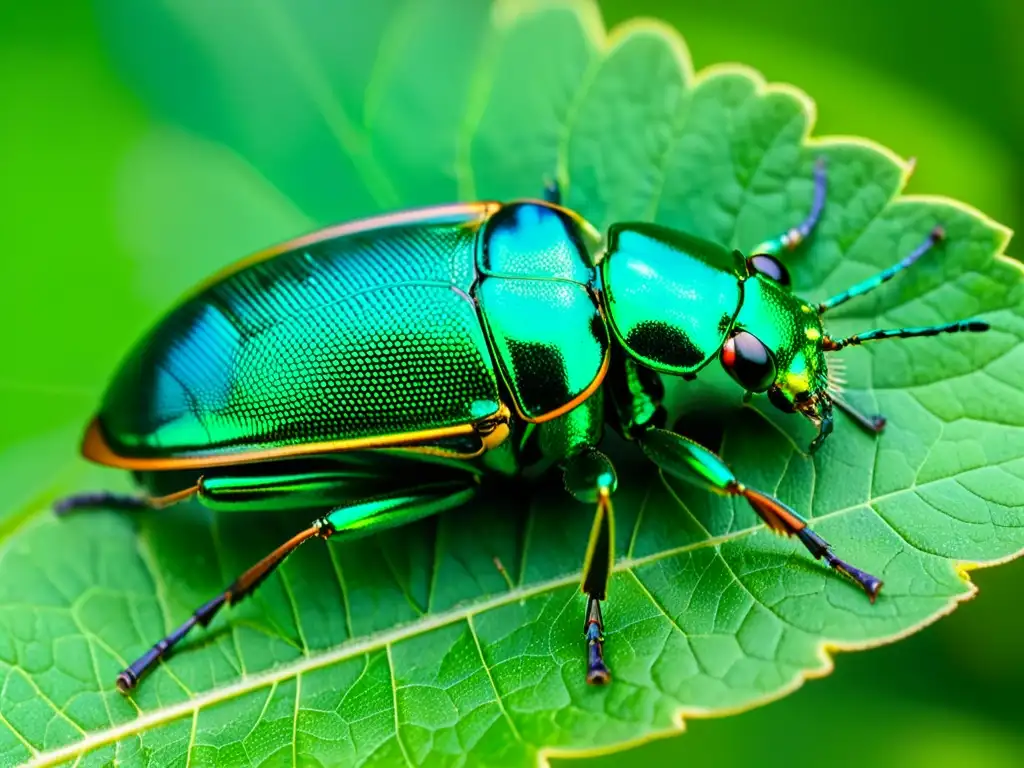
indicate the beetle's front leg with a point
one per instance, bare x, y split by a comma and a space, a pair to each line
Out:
697, 465
359, 516
635, 393
590, 477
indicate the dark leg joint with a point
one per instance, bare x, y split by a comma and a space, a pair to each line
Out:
205, 613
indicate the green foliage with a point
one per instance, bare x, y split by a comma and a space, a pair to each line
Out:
411, 647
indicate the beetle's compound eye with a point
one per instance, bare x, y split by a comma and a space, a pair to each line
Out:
748, 361
780, 401
769, 266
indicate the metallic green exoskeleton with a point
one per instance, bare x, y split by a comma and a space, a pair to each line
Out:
478, 338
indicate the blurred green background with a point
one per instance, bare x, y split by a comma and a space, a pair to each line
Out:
944, 84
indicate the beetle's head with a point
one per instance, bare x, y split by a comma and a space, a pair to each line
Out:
776, 346
676, 301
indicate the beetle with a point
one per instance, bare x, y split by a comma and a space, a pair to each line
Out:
479, 339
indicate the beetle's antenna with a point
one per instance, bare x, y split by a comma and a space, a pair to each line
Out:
791, 239
936, 236
963, 326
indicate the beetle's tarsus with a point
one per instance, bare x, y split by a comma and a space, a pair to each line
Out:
870, 584
874, 423
119, 501
202, 616
821, 550
597, 671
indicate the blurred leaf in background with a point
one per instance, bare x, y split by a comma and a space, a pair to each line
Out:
74, 138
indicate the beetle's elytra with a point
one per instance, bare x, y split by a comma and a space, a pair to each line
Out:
475, 338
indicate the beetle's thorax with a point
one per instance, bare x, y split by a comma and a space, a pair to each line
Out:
671, 297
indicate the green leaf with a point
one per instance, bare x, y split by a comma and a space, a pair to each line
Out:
411, 647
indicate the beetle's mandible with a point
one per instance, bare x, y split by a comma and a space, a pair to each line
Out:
462, 341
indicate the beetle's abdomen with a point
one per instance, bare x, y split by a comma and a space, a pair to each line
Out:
365, 333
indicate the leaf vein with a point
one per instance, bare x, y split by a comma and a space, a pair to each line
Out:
394, 703
497, 694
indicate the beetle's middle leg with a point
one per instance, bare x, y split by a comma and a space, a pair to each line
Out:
790, 239
590, 477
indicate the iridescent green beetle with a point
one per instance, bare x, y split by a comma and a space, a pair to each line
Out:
444, 344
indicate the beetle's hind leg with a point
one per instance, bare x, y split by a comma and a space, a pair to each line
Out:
360, 516
697, 465
791, 238
94, 500
590, 477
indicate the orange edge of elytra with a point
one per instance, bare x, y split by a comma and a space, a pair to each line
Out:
96, 448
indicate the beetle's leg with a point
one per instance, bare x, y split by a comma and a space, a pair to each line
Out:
793, 237
120, 501
635, 395
590, 476
552, 192
874, 424
695, 464
363, 516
